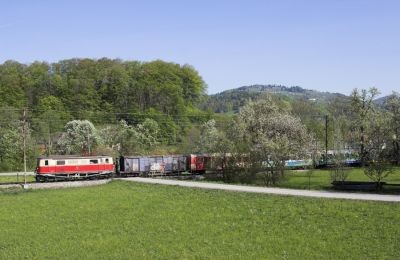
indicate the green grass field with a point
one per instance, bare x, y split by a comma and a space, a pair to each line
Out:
12, 179
130, 220
321, 179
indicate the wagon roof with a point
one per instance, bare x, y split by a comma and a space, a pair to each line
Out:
72, 157
152, 156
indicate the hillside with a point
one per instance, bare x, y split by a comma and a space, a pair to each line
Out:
231, 100
382, 100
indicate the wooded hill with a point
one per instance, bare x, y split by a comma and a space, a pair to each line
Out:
106, 85
230, 101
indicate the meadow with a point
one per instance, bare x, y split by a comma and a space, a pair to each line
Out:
14, 179
130, 220
321, 179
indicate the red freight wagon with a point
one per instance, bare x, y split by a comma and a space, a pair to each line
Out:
74, 167
197, 163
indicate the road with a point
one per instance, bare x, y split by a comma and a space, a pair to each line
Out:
275, 191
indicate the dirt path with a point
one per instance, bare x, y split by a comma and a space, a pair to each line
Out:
276, 191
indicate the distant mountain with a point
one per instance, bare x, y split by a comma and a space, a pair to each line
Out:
232, 100
381, 101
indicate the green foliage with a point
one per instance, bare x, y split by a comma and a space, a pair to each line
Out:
378, 170
104, 85
272, 136
232, 100
362, 108
127, 139
11, 142
48, 121
392, 105
12, 84
79, 137
211, 140
339, 170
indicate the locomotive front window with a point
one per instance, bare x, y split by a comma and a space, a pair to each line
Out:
94, 161
60, 162
107, 160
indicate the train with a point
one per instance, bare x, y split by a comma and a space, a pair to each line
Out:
53, 168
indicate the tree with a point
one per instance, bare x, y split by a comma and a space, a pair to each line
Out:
340, 171
12, 82
378, 165
11, 141
209, 138
272, 136
147, 133
80, 136
127, 139
214, 141
393, 106
48, 121
362, 109
193, 85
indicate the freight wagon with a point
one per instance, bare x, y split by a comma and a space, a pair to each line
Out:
151, 165
197, 163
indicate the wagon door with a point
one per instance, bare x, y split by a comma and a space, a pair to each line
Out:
168, 164
144, 165
182, 165
199, 163
131, 165
175, 164
134, 165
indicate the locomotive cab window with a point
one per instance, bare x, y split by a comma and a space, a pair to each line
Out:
46, 162
107, 160
94, 161
60, 162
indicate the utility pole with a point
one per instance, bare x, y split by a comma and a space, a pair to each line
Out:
89, 143
326, 138
24, 142
49, 140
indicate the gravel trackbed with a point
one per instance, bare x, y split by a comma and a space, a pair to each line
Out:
57, 185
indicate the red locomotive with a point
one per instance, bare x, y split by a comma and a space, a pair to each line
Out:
74, 167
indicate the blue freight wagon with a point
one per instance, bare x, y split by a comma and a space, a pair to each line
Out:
145, 165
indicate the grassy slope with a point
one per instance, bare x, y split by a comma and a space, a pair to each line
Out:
11, 179
125, 220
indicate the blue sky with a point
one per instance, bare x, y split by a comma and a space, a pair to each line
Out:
334, 45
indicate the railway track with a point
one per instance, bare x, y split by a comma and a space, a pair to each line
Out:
16, 182
54, 185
